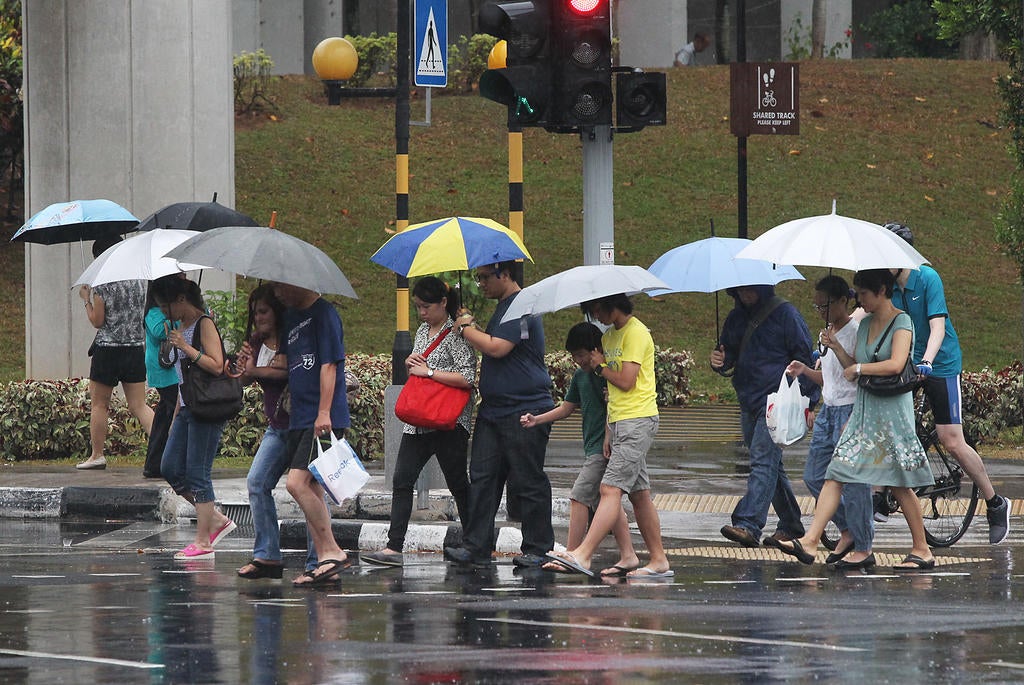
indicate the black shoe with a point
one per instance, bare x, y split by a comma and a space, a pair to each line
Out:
866, 563
150, 474
463, 557
998, 522
839, 554
529, 561
740, 535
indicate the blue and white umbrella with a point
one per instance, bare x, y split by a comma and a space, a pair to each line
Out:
710, 265
68, 222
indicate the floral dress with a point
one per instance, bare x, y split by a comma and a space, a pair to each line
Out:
879, 445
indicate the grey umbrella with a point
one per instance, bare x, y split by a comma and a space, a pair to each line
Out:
267, 253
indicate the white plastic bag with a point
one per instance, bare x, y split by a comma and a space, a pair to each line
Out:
785, 413
338, 469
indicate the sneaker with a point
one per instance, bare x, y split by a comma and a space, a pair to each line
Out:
463, 557
881, 508
529, 561
998, 522
382, 558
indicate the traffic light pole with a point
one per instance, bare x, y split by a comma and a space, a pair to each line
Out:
598, 205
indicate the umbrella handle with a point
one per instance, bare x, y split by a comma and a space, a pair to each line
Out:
273, 219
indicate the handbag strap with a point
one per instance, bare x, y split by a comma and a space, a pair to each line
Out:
437, 341
881, 338
197, 340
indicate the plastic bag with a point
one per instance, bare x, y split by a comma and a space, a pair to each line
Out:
338, 470
785, 413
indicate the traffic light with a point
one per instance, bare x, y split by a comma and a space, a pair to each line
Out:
524, 85
639, 100
581, 65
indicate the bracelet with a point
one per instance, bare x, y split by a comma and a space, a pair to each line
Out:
198, 357
858, 369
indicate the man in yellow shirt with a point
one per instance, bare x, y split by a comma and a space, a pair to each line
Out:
627, 364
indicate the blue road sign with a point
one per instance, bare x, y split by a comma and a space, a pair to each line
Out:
430, 53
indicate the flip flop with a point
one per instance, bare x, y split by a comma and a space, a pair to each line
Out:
222, 532
193, 553
617, 571
919, 564
797, 550
557, 567
646, 572
328, 577
261, 570
570, 563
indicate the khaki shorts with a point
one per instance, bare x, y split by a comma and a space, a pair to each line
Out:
587, 488
627, 467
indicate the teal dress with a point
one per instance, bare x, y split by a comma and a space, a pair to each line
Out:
879, 445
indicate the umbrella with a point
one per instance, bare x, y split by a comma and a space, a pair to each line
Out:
835, 241
195, 216
261, 252
141, 257
581, 284
453, 244
66, 222
710, 265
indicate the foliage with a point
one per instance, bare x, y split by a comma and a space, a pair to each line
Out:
799, 42
231, 312
252, 75
993, 401
467, 60
12, 130
906, 29
377, 56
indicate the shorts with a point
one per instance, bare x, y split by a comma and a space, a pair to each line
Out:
302, 448
587, 488
627, 467
945, 399
118, 364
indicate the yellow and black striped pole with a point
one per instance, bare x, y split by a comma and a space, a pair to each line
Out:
515, 188
402, 346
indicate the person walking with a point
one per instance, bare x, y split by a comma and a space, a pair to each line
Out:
626, 362
937, 350
853, 516
160, 375
513, 381
192, 444
451, 362
879, 445
116, 310
760, 337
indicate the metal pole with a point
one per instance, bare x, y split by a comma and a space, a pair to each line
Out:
598, 196
741, 141
402, 346
515, 188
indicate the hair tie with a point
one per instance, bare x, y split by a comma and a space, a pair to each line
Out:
853, 294
447, 288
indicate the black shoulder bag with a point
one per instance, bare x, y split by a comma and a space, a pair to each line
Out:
211, 398
888, 386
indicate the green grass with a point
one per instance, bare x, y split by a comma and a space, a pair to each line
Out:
905, 139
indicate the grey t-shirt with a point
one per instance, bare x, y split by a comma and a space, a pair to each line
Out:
124, 306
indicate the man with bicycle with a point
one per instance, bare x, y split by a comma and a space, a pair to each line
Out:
921, 294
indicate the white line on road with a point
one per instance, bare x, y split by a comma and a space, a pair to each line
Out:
73, 657
672, 633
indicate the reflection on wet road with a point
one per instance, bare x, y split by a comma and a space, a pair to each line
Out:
107, 604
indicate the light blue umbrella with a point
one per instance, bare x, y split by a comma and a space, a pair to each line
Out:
710, 265
67, 222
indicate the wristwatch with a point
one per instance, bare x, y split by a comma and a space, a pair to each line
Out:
430, 372
600, 367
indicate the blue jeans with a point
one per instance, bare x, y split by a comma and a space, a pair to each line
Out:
855, 511
504, 449
766, 484
188, 456
270, 463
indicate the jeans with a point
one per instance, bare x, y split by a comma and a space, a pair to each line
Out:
163, 415
855, 510
767, 482
504, 449
188, 457
415, 451
269, 464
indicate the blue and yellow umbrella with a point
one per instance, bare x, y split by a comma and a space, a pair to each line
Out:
454, 244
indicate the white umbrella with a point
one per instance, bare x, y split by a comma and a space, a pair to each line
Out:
581, 284
261, 252
140, 257
836, 241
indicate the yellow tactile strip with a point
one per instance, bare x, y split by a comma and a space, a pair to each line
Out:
706, 423
884, 559
724, 504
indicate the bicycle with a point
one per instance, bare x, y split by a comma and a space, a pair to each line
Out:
948, 506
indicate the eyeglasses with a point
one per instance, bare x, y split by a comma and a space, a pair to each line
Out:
481, 278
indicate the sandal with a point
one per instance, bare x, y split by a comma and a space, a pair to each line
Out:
328, 577
919, 564
261, 569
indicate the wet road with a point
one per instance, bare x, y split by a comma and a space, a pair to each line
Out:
105, 603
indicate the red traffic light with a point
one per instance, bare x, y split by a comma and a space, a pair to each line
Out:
585, 7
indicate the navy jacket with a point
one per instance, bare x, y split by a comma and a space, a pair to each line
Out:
780, 339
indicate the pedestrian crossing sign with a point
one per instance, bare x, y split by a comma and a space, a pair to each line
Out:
431, 43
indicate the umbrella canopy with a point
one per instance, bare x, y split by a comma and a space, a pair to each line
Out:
195, 216
68, 222
141, 257
581, 284
453, 244
836, 241
710, 265
261, 252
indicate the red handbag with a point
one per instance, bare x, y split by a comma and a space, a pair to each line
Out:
427, 403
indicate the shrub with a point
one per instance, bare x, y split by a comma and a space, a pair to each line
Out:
252, 74
377, 56
906, 29
230, 309
467, 60
993, 401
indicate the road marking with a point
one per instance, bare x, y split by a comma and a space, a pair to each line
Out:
40, 576
1003, 664
672, 633
73, 657
114, 575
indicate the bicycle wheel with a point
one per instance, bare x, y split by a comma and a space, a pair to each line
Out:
948, 506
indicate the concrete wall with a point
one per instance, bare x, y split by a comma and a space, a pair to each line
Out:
128, 100
650, 32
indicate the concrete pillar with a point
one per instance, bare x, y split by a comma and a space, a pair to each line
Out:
650, 32
128, 100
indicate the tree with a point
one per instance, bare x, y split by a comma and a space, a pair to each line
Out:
12, 130
818, 21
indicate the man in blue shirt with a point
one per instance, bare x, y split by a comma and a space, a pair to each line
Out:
514, 381
936, 348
